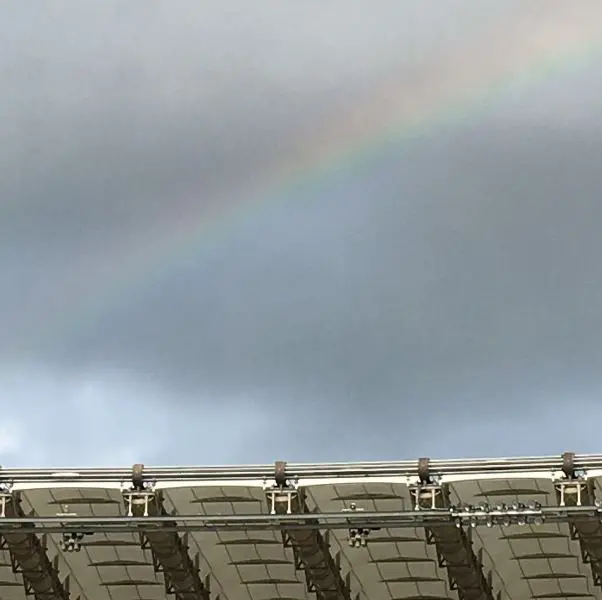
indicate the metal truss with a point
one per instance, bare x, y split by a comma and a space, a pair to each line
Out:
310, 548
453, 544
574, 490
168, 549
28, 554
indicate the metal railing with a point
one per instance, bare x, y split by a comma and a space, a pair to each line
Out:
305, 470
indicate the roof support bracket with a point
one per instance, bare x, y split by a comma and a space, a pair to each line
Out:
453, 544
574, 489
28, 555
310, 547
169, 550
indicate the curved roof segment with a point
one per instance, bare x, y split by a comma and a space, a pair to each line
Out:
516, 529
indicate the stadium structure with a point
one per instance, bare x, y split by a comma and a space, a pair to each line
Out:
521, 528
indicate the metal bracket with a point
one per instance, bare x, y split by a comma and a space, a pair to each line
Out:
517, 513
71, 541
424, 470
427, 492
358, 536
573, 487
5, 497
283, 491
139, 493
427, 496
138, 476
137, 498
281, 495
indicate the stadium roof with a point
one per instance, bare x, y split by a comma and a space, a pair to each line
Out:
473, 530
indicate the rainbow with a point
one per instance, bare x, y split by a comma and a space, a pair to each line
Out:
448, 90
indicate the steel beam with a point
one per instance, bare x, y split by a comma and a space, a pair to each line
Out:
28, 556
169, 550
578, 491
310, 547
452, 542
267, 522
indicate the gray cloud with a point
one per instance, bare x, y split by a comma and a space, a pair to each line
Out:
453, 279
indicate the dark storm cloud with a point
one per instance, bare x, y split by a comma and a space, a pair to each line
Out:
457, 276
483, 290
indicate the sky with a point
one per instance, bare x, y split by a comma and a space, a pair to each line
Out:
239, 232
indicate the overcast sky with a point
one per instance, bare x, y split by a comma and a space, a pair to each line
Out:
441, 295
